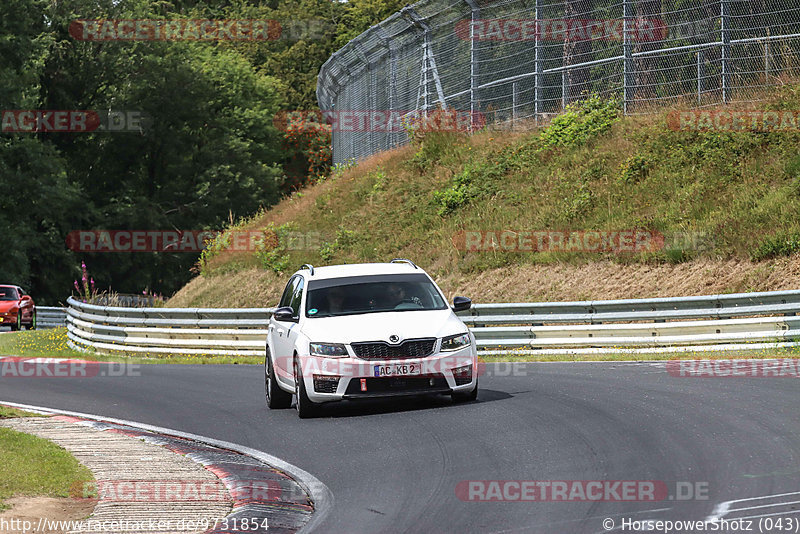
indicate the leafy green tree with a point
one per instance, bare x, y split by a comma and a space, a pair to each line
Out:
209, 151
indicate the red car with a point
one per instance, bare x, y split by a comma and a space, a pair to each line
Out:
16, 308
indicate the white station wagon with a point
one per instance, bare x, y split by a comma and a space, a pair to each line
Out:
366, 331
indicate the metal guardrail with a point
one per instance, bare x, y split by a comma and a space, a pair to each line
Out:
50, 317
714, 322
209, 331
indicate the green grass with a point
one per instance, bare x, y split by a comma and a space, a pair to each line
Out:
31, 466
7, 412
793, 352
50, 343
53, 344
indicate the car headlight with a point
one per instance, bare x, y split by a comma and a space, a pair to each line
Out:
455, 342
328, 350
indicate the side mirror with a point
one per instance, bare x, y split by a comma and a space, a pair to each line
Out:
285, 313
461, 304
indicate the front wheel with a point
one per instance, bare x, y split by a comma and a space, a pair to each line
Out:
18, 325
306, 408
276, 397
466, 397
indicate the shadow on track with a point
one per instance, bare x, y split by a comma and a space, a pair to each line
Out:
365, 407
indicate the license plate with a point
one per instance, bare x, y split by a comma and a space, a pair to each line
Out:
406, 369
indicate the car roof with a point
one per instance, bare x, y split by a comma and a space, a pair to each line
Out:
359, 269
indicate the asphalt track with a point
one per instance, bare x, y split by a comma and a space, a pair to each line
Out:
393, 466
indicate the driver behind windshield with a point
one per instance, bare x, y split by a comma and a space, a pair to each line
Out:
335, 297
396, 295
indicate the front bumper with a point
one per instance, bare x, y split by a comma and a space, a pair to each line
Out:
333, 379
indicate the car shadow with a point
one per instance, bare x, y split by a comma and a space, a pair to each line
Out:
366, 407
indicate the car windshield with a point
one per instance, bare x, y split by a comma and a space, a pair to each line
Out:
371, 294
8, 293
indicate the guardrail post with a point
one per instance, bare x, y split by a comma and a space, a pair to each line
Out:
726, 48
628, 82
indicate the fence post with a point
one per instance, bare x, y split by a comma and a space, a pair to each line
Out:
392, 88
372, 103
627, 52
428, 60
425, 75
726, 49
475, 14
700, 76
766, 57
349, 107
537, 59
513, 105
564, 87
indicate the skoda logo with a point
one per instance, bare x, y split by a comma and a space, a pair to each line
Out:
394, 338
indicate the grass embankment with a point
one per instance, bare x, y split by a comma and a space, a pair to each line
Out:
34, 467
726, 202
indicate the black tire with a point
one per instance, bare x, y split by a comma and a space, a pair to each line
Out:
306, 408
466, 397
276, 397
18, 325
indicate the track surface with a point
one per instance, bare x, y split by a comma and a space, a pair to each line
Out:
394, 466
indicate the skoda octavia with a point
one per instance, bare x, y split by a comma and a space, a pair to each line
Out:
366, 331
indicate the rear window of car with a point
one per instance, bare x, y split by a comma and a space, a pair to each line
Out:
372, 294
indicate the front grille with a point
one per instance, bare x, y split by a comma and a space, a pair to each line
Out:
380, 350
411, 384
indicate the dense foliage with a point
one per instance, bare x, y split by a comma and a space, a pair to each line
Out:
209, 153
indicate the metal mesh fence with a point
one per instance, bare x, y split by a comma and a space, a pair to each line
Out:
511, 60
